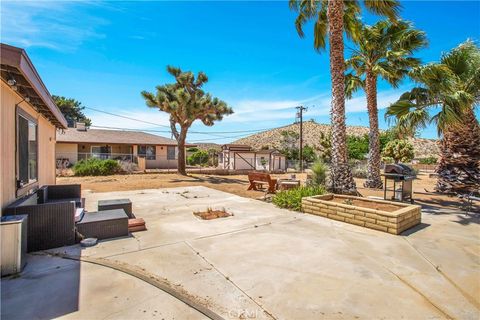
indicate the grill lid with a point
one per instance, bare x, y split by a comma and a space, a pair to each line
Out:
399, 168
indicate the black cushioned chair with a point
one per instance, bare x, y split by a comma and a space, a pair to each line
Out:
51, 214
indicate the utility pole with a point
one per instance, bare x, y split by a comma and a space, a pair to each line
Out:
300, 110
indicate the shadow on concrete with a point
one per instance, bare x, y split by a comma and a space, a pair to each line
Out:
412, 230
47, 288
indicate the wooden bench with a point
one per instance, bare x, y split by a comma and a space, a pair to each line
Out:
259, 178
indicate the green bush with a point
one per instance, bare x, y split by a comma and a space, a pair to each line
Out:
96, 167
357, 147
319, 173
292, 199
399, 150
429, 160
200, 157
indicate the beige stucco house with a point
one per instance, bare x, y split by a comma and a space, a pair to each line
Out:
74, 144
28, 122
242, 157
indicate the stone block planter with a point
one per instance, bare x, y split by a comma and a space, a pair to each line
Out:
387, 216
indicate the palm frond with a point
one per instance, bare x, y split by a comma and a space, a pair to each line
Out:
352, 84
386, 8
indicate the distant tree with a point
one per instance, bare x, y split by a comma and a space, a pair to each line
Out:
289, 144
326, 143
185, 101
192, 149
200, 157
308, 153
357, 147
72, 110
399, 151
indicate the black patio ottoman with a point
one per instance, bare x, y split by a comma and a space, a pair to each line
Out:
124, 204
104, 224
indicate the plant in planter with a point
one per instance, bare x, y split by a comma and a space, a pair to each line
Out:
292, 198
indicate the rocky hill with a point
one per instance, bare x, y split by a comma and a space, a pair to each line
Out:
208, 146
311, 132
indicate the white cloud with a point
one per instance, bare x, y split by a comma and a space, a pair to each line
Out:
271, 111
49, 24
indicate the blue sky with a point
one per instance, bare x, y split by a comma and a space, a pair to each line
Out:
105, 53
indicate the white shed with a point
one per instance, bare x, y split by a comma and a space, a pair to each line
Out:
242, 157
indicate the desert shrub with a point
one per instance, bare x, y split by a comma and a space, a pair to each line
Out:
399, 150
429, 160
292, 199
128, 166
96, 167
359, 170
319, 173
200, 157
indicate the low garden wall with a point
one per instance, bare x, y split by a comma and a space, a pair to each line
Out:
387, 216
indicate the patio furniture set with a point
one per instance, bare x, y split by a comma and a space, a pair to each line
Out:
56, 217
259, 179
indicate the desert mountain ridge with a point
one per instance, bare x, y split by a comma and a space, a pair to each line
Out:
311, 133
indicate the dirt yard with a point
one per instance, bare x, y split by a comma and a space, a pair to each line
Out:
238, 184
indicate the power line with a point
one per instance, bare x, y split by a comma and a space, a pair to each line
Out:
159, 125
150, 130
213, 139
163, 131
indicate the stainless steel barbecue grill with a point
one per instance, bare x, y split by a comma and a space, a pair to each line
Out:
402, 177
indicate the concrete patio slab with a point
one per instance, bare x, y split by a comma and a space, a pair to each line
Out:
264, 262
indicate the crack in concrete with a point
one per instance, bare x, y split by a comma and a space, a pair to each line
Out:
465, 294
268, 313
197, 238
411, 286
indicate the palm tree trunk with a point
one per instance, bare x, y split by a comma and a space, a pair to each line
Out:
459, 165
181, 152
341, 175
373, 166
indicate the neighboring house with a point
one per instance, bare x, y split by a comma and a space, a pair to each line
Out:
74, 144
28, 122
242, 157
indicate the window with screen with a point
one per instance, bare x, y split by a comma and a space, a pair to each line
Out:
27, 163
171, 153
149, 152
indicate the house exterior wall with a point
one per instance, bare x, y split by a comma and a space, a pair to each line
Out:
243, 161
161, 161
67, 151
75, 152
279, 162
45, 145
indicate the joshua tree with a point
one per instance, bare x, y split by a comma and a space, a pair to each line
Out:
447, 94
185, 102
332, 17
385, 50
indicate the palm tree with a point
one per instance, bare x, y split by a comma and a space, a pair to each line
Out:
447, 95
332, 17
385, 51
186, 102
